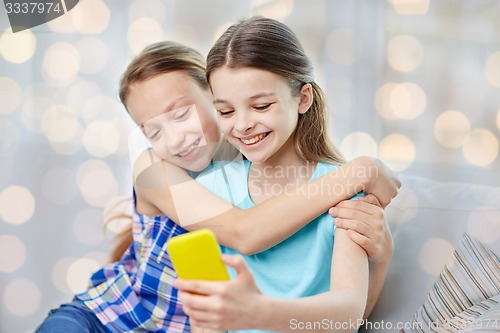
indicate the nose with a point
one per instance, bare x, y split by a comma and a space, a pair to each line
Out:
243, 122
173, 138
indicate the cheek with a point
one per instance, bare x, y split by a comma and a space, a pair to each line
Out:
225, 126
160, 148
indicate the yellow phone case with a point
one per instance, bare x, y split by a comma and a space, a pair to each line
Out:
196, 256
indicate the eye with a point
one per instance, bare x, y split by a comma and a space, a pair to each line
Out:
262, 107
154, 135
225, 113
183, 115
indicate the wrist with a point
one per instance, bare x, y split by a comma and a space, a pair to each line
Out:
360, 173
263, 310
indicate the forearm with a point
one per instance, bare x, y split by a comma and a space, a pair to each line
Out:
258, 228
378, 272
328, 312
340, 310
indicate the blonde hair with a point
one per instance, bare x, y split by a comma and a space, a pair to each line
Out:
160, 58
270, 45
155, 59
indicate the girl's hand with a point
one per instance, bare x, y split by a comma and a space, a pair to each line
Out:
228, 305
376, 178
366, 225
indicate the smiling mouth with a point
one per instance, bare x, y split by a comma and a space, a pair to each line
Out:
254, 139
190, 149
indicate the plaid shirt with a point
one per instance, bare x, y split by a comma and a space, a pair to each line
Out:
136, 294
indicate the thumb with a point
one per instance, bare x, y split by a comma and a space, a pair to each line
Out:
371, 199
238, 263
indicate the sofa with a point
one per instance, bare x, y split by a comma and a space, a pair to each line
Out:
428, 220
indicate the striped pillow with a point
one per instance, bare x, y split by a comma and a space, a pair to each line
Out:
466, 292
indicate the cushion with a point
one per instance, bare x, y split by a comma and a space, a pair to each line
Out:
466, 293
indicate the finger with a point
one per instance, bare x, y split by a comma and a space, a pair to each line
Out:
198, 286
362, 241
371, 199
204, 325
200, 317
350, 213
355, 225
195, 301
238, 263
360, 205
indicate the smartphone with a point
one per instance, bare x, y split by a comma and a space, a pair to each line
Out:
196, 256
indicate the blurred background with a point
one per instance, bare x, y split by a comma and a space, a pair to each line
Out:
413, 82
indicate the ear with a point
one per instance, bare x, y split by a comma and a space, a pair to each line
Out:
306, 98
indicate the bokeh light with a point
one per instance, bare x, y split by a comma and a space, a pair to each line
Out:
382, 98
61, 63
60, 123
452, 128
58, 185
10, 95
70, 147
484, 224
407, 101
79, 272
103, 108
186, 34
498, 119
80, 93
22, 297
89, 226
33, 111
434, 254
481, 147
96, 182
357, 144
93, 54
19, 47
155, 10
344, 47
10, 137
398, 151
101, 138
12, 253
63, 24
91, 16
400, 101
404, 53
17, 204
142, 32
59, 271
278, 10
410, 7
492, 69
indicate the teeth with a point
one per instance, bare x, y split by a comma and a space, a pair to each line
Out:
190, 149
184, 153
254, 139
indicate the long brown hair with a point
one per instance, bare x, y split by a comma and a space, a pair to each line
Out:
270, 45
155, 59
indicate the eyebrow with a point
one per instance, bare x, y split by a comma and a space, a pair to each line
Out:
259, 95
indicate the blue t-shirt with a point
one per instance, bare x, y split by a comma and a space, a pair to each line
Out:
297, 267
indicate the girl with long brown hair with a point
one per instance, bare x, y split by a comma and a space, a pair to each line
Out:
270, 107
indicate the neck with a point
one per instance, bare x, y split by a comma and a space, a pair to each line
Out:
278, 174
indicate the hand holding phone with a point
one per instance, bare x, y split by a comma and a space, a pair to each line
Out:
196, 256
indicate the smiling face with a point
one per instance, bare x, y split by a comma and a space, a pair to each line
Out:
177, 117
257, 112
